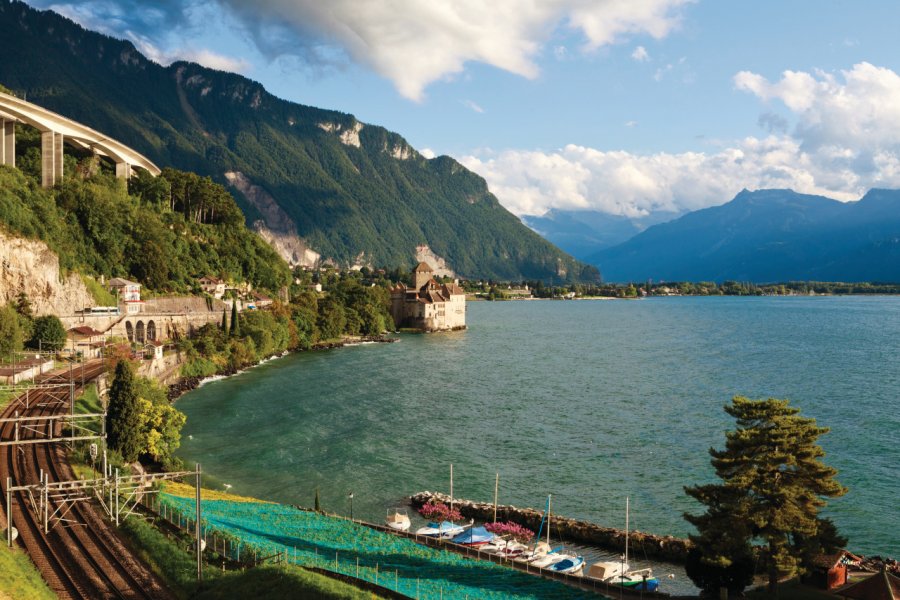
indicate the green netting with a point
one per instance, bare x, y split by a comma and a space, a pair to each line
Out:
311, 539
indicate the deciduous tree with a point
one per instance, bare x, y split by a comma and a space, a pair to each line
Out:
48, 333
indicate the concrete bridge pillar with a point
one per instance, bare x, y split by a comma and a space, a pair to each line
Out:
51, 158
7, 142
123, 170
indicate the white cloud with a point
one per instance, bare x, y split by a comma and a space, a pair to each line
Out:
413, 43
846, 140
631, 123
473, 106
661, 72
427, 153
857, 111
207, 58
416, 42
622, 183
640, 54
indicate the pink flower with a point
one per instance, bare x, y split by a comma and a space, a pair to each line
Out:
438, 511
514, 530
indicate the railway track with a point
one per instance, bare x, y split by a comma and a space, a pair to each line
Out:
82, 557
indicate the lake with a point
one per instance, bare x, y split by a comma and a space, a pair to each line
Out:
591, 401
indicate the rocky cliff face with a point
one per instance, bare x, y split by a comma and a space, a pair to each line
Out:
30, 266
276, 227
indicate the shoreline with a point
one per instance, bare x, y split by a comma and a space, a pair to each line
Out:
183, 385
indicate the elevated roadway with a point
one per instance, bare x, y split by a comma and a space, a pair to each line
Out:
55, 130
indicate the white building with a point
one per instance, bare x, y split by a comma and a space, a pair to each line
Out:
428, 305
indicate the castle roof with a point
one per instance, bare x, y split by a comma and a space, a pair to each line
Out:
451, 289
423, 267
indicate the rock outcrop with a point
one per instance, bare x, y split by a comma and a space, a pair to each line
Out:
30, 266
276, 227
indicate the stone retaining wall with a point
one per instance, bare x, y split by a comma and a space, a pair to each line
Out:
667, 548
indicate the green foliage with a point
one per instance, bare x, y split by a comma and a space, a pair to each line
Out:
332, 318
160, 423
19, 578
199, 367
101, 295
10, 332
773, 487
48, 333
124, 421
347, 201
97, 228
235, 320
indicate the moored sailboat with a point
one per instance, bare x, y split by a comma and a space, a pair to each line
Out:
620, 573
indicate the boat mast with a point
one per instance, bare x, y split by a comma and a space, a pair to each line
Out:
451, 486
548, 519
496, 489
626, 529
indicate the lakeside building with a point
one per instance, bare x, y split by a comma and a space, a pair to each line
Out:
128, 292
428, 305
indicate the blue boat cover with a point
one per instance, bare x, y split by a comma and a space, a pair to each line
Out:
475, 535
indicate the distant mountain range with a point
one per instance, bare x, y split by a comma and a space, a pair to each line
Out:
583, 233
767, 236
317, 183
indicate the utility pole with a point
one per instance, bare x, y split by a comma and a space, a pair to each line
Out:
198, 530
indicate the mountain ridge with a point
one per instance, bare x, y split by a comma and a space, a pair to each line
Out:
356, 192
765, 236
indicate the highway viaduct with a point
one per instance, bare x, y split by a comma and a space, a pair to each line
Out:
56, 129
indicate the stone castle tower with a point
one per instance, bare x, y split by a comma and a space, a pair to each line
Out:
422, 274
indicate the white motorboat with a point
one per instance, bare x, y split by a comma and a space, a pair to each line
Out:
444, 530
398, 519
532, 554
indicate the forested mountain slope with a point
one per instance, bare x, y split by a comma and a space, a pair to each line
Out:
355, 193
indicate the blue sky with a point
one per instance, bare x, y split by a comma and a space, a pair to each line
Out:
627, 107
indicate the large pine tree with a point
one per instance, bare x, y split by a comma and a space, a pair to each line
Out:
123, 417
774, 484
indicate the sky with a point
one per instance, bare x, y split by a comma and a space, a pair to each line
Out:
628, 107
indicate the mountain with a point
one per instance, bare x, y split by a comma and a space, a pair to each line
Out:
584, 232
317, 183
768, 236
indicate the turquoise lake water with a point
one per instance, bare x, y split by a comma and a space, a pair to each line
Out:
591, 401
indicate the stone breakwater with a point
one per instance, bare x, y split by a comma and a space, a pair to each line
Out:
667, 548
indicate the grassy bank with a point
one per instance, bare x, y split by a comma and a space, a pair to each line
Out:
19, 578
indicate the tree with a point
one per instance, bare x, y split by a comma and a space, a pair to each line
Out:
235, 327
225, 319
48, 333
773, 487
10, 332
123, 418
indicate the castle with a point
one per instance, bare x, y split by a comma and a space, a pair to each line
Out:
428, 305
